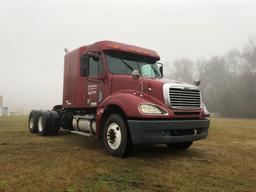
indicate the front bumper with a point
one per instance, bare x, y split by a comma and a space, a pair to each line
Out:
167, 131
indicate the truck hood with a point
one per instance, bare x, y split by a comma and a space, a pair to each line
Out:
156, 86
158, 83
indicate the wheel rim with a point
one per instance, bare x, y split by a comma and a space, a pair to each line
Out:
40, 124
31, 123
114, 136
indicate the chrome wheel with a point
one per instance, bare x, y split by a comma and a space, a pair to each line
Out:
114, 136
40, 124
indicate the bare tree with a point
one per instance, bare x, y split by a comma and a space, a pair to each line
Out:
249, 54
184, 70
228, 82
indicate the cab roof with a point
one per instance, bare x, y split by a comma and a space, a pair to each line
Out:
112, 45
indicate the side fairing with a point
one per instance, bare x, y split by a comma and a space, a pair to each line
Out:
73, 83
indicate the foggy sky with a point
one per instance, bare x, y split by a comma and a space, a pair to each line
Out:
33, 34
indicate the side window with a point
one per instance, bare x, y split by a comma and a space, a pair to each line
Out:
90, 66
84, 67
95, 66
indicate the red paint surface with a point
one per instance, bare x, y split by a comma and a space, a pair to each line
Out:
116, 89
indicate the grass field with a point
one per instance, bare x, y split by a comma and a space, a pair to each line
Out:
226, 161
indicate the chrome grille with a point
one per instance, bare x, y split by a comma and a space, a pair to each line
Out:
184, 98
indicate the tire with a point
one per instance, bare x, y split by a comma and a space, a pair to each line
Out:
44, 123
67, 121
33, 121
115, 136
55, 123
180, 146
58, 109
48, 123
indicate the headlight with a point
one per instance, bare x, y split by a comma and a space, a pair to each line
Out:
151, 109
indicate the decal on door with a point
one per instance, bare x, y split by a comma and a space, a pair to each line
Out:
93, 104
92, 89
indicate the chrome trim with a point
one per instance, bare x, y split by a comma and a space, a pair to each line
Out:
183, 95
166, 87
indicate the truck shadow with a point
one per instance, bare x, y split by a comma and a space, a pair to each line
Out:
162, 151
138, 151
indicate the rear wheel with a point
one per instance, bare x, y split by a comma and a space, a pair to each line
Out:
33, 121
115, 136
67, 121
48, 123
55, 123
44, 123
180, 146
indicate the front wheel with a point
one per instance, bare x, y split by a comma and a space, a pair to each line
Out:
180, 146
115, 136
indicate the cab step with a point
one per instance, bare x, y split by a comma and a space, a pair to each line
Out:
81, 133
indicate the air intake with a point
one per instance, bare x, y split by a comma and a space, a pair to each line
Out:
184, 98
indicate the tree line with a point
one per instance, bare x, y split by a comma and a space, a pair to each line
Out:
228, 82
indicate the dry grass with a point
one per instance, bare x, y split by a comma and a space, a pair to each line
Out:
226, 161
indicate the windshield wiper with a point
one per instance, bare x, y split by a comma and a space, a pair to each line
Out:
127, 65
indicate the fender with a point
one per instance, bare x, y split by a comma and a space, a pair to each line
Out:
128, 102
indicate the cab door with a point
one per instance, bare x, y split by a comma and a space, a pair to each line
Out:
94, 81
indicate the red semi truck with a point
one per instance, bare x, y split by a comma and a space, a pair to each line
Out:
117, 92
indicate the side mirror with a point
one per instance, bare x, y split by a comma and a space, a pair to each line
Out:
135, 74
161, 69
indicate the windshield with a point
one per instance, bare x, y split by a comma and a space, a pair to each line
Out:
124, 63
